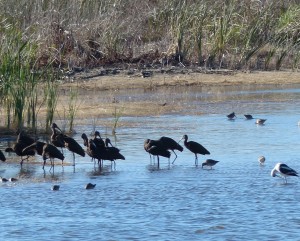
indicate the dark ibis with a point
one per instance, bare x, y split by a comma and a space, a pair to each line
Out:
50, 152
90, 147
18, 148
168, 144
99, 142
158, 151
35, 146
195, 147
209, 162
147, 146
231, 116
24, 138
283, 170
71, 144
57, 137
110, 154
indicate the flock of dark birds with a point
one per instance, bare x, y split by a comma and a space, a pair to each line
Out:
97, 148
100, 150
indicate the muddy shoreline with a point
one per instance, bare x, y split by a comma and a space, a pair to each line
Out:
98, 100
115, 79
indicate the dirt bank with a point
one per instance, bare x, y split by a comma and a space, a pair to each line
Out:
113, 79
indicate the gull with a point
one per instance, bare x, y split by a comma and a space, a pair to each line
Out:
283, 170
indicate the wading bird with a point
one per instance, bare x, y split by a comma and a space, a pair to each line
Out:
98, 140
231, 116
195, 148
69, 142
261, 160
260, 121
157, 151
283, 170
18, 148
90, 186
248, 117
168, 144
210, 163
50, 152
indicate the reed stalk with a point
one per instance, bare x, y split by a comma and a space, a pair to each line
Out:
116, 118
73, 107
51, 96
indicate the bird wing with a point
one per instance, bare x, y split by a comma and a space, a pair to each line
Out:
197, 146
286, 170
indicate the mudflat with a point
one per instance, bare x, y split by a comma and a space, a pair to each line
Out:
107, 88
123, 80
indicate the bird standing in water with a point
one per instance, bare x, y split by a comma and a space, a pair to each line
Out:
231, 116
283, 170
169, 144
158, 151
195, 148
68, 141
210, 163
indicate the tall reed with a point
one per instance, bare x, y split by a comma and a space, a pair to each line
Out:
73, 107
51, 96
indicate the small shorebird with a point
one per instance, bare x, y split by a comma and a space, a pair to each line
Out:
261, 160
248, 117
231, 116
90, 186
210, 163
12, 179
55, 187
3, 179
260, 121
283, 170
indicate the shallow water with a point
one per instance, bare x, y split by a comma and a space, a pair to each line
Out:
236, 200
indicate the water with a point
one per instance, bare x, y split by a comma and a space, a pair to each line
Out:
236, 200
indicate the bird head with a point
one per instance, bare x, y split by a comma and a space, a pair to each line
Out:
185, 137
274, 173
55, 127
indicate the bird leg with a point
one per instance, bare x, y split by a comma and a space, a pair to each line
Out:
196, 160
73, 159
158, 162
175, 156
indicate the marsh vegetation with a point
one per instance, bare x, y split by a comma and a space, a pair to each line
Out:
44, 41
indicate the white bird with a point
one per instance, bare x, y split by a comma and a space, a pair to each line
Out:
261, 160
260, 121
283, 170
